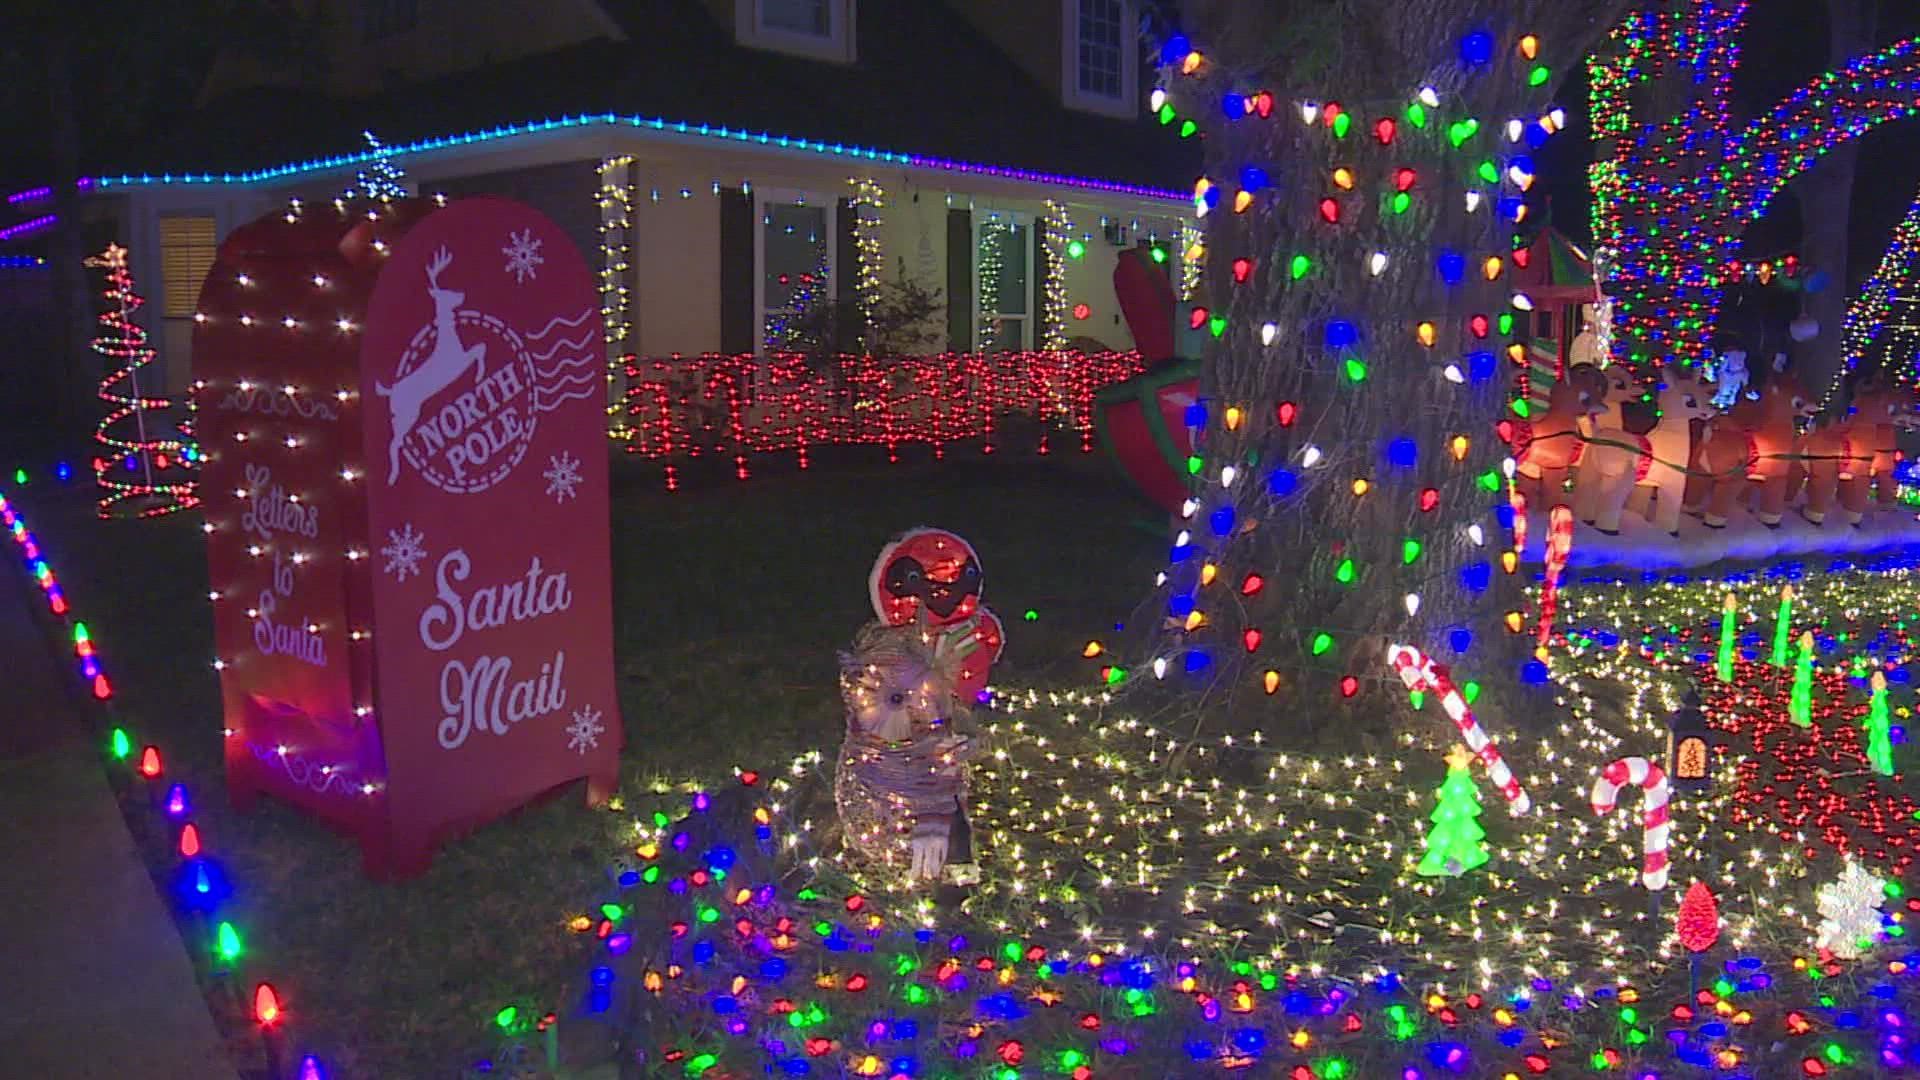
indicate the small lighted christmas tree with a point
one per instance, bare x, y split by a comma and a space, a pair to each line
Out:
137, 468
1850, 919
1455, 845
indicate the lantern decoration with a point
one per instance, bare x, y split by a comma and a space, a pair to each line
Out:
1689, 753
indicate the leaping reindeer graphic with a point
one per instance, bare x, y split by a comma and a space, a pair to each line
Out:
447, 361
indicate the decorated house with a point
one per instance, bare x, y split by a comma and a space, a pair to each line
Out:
728, 166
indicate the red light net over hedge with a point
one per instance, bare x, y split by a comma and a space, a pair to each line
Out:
738, 406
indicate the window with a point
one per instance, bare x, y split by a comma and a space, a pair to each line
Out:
810, 17
1003, 261
794, 253
820, 29
387, 18
1100, 59
187, 249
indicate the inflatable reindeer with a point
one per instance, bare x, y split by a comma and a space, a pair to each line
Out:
1616, 462
1546, 446
1752, 445
1844, 458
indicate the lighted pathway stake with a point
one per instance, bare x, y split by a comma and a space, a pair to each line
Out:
1879, 729
1651, 779
1782, 627
1800, 705
1723, 666
1419, 673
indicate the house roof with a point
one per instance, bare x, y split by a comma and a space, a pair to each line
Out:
926, 84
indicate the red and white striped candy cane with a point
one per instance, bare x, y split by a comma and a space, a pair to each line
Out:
1420, 673
1651, 779
1559, 546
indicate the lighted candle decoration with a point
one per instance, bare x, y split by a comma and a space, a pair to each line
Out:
1800, 704
1723, 662
1879, 729
1782, 627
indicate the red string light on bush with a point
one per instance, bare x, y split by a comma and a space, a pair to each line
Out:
739, 406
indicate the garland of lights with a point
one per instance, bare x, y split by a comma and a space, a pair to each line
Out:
1672, 194
1869, 314
866, 201
123, 343
989, 259
615, 201
689, 407
199, 883
1053, 312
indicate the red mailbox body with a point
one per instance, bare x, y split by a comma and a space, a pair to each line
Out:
406, 500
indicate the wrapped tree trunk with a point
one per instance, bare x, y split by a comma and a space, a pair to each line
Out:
1366, 172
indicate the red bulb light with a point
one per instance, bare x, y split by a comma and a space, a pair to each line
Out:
1252, 585
1286, 413
1479, 325
1242, 269
190, 841
1384, 129
266, 1005
1349, 686
150, 762
1330, 210
1250, 637
1404, 179
1197, 318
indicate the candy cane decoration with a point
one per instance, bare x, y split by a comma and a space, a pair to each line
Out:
1559, 546
1421, 673
1651, 779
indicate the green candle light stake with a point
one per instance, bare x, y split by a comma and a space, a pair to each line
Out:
1879, 729
1724, 665
1800, 705
1782, 627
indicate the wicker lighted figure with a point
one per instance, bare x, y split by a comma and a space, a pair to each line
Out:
901, 783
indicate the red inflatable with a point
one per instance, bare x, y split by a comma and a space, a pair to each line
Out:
1142, 422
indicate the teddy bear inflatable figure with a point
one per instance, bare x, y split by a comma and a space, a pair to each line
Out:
901, 782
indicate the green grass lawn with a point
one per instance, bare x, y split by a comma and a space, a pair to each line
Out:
732, 597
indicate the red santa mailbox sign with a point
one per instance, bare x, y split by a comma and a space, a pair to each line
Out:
408, 534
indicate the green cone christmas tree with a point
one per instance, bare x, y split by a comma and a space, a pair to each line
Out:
1454, 846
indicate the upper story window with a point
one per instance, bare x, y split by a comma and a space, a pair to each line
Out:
381, 19
821, 29
1100, 59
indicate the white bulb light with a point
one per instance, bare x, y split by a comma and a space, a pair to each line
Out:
1187, 508
1186, 537
1159, 667
1506, 467
1429, 97
1515, 129
1267, 333
1558, 116
1413, 604
1156, 99
1453, 375
1310, 456
1309, 111
1227, 475
1473, 201
1523, 301
1377, 263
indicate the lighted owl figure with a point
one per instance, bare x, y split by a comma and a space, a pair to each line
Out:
901, 781
934, 575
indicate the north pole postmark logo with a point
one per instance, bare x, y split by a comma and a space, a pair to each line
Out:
463, 396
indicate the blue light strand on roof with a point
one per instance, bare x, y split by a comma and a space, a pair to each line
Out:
678, 127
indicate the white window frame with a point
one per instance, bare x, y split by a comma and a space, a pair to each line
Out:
750, 28
1127, 105
763, 198
982, 218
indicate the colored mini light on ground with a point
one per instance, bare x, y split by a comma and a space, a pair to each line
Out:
266, 1005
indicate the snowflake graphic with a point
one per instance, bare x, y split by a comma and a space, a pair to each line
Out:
404, 550
584, 733
562, 476
523, 256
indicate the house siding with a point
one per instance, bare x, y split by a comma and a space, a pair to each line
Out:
676, 251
